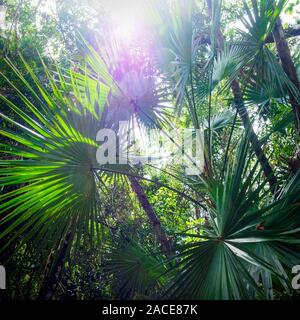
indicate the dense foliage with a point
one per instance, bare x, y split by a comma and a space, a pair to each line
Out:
73, 228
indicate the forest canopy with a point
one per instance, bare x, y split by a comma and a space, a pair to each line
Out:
150, 149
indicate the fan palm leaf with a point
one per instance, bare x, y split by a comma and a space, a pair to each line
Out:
220, 263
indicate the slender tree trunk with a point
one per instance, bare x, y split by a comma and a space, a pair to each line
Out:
289, 68
164, 241
53, 274
243, 114
160, 234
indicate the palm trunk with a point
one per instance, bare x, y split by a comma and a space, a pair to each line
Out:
165, 243
288, 67
51, 277
243, 114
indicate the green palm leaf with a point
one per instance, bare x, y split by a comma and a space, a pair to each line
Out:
222, 266
53, 156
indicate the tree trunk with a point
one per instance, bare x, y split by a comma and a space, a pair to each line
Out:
53, 273
289, 68
243, 114
165, 243
160, 234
